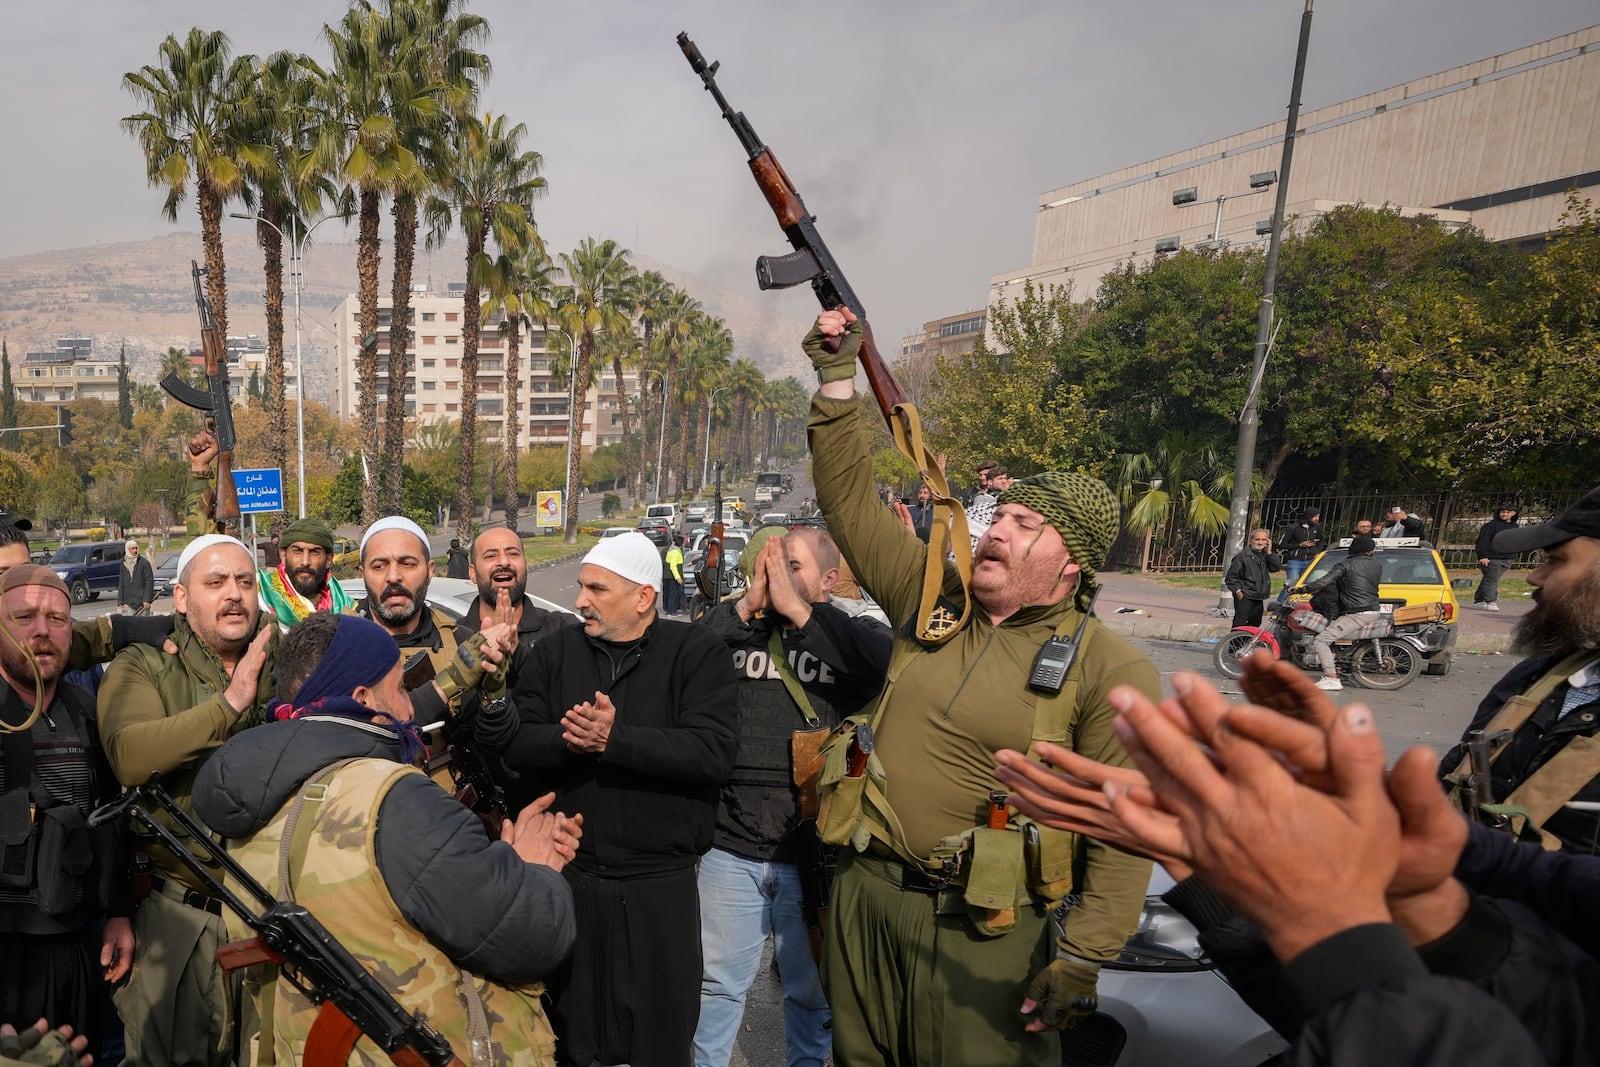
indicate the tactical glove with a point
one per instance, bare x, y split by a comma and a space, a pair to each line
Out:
834, 366
465, 671
1064, 992
33, 1048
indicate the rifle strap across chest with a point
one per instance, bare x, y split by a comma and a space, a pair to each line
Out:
1519, 708
948, 534
791, 682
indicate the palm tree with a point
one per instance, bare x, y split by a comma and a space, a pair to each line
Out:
438, 51
705, 362
192, 131
596, 299
744, 382
365, 101
519, 290
1186, 473
651, 292
492, 185
671, 327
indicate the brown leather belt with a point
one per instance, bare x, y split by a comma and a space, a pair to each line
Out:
184, 895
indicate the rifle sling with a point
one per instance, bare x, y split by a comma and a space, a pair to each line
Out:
790, 682
934, 623
1519, 708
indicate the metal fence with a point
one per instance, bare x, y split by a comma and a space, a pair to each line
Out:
1452, 521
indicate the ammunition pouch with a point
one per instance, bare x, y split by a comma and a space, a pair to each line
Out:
16, 839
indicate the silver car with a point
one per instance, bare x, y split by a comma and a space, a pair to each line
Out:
1163, 1003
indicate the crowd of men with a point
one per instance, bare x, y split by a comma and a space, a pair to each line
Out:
639, 802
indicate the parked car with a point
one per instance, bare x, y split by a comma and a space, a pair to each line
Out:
671, 512
166, 570
453, 596
615, 531
88, 570
1163, 1002
659, 530
1413, 574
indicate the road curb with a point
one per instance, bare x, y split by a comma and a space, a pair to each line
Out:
1167, 630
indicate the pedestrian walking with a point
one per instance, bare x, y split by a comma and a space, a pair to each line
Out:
1492, 561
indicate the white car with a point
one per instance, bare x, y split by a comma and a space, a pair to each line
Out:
453, 596
1162, 1002
616, 531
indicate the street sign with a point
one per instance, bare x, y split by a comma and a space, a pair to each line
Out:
547, 506
259, 490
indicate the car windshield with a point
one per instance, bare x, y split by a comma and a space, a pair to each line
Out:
70, 554
1401, 566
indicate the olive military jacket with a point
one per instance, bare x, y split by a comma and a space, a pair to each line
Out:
947, 710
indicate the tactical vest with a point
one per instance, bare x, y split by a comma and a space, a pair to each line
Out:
993, 870
1561, 777
768, 715
320, 851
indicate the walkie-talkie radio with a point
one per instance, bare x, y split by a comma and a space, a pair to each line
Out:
1055, 659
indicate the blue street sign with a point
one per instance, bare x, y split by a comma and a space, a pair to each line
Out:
259, 490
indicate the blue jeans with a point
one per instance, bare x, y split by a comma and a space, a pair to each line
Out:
741, 902
1292, 570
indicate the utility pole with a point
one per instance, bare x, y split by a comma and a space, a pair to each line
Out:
1244, 463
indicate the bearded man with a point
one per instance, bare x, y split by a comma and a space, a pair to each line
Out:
167, 713
1551, 701
500, 571
939, 945
301, 582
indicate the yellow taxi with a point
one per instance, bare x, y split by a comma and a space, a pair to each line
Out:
1413, 574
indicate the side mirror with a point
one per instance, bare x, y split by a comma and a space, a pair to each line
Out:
1462, 583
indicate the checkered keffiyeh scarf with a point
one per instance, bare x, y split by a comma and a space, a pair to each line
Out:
1083, 511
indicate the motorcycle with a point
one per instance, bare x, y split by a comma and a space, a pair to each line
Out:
1383, 655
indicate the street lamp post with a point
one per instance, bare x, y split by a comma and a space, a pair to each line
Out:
661, 443
573, 432
705, 470
297, 246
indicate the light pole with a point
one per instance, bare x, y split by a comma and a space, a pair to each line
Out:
297, 246
661, 443
573, 432
705, 471
1245, 453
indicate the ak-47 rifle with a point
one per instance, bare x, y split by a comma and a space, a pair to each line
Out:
222, 502
351, 1002
1475, 790
812, 262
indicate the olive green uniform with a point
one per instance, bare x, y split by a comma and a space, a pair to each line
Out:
908, 977
166, 714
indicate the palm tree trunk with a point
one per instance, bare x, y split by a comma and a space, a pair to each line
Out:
394, 419
471, 312
580, 403
367, 358
277, 412
210, 205
513, 419
630, 452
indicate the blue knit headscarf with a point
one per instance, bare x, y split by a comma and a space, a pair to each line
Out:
361, 654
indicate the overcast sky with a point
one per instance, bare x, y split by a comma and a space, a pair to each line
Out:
920, 133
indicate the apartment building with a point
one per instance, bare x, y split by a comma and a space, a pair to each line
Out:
433, 386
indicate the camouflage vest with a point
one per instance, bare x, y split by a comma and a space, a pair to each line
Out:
320, 851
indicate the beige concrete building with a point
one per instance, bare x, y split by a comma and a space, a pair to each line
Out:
69, 371
433, 388
1496, 143
953, 335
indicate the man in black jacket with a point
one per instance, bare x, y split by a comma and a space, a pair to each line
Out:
802, 663
1493, 561
1249, 578
1402, 523
1357, 579
1560, 677
632, 720
136, 581
1300, 546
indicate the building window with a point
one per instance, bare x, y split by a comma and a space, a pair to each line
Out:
450, 407
427, 316
452, 339
428, 387
430, 339
452, 385
428, 364
451, 316
451, 363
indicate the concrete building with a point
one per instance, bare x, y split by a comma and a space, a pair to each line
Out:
1496, 143
70, 371
953, 335
433, 387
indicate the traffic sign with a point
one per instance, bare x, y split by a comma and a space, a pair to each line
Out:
259, 490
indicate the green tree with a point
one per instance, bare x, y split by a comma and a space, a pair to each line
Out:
493, 182
252, 387
124, 389
8, 396
18, 487
366, 102
671, 330
192, 131
595, 300
1014, 403
706, 353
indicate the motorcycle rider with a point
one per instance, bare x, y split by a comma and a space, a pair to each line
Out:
1356, 578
